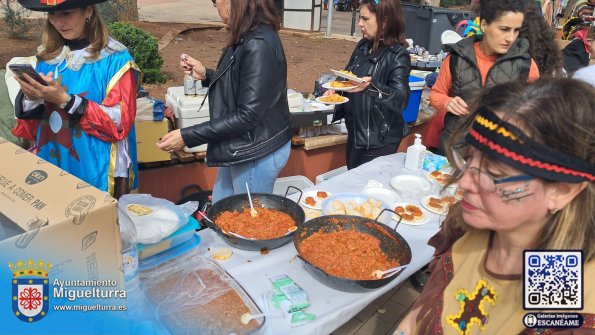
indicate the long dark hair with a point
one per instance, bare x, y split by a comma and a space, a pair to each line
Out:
246, 15
390, 20
542, 44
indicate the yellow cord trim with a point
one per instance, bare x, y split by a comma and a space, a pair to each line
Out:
492, 126
113, 157
129, 65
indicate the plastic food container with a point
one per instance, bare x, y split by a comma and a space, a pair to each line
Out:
178, 237
193, 295
170, 254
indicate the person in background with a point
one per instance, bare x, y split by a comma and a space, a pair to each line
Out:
373, 114
581, 17
542, 43
525, 160
249, 130
83, 120
577, 53
478, 62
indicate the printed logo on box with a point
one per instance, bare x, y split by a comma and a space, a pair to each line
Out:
35, 177
553, 280
30, 289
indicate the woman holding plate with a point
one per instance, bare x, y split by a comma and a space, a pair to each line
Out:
373, 113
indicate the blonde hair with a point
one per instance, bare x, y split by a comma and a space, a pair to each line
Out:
95, 31
546, 114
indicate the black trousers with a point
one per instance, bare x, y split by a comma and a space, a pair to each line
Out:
121, 187
356, 157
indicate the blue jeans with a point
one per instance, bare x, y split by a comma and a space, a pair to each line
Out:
260, 174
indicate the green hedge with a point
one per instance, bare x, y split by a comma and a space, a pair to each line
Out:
144, 49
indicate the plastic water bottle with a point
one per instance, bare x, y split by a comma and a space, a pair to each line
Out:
134, 295
129, 250
415, 154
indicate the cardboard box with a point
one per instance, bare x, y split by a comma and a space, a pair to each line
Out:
48, 215
147, 134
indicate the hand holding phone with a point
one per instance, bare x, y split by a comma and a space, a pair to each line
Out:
20, 69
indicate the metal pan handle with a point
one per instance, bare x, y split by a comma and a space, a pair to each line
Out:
392, 211
290, 187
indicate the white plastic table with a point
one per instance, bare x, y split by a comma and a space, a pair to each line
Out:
331, 307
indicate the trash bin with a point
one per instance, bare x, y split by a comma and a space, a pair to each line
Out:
302, 14
416, 85
425, 24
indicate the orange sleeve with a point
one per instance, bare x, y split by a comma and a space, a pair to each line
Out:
438, 99
439, 95
533, 72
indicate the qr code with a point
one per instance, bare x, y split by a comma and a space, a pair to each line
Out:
553, 280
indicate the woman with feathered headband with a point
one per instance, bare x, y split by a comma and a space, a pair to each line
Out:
526, 164
83, 119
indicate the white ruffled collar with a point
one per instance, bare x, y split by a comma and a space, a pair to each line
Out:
74, 60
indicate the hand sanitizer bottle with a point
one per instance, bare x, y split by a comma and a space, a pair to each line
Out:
415, 154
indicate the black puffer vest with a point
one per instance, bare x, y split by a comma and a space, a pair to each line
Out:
466, 78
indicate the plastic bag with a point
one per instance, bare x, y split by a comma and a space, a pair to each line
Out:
295, 101
155, 218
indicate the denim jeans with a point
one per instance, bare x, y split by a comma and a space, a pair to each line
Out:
260, 174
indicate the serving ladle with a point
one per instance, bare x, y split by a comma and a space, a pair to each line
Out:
253, 212
227, 232
246, 317
388, 273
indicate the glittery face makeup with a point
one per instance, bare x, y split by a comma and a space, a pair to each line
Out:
514, 192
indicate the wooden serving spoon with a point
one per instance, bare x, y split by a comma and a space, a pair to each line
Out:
253, 212
388, 273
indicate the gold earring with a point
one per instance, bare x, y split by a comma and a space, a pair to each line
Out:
553, 211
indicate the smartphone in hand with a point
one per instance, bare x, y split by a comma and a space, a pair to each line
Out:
20, 69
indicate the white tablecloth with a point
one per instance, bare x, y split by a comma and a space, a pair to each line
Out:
331, 307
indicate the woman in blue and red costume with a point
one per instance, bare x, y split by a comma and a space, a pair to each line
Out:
83, 120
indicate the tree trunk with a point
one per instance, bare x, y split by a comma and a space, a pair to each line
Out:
129, 10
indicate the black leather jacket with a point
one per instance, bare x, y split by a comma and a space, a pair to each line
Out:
249, 114
374, 116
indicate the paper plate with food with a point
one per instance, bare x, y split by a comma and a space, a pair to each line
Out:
438, 204
348, 74
313, 199
410, 214
338, 85
333, 99
440, 177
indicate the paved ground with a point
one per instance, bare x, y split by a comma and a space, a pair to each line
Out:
196, 11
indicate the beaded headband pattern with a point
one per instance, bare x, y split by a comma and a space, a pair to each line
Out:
505, 142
